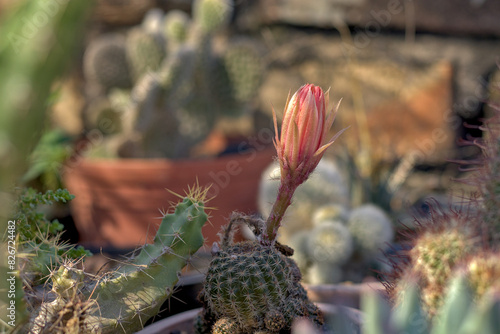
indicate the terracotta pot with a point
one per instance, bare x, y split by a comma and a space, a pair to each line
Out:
183, 322
341, 294
118, 202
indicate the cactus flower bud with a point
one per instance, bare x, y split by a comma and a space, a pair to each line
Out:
304, 139
305, 127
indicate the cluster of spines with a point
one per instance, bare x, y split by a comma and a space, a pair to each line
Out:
126, 298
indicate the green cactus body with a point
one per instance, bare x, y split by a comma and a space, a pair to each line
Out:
244, 68
145, 52
125, 299
105, 62
257, 287
330, 243
434, 257
371, 230
212, 15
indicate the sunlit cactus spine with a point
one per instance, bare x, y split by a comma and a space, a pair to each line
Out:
123, 300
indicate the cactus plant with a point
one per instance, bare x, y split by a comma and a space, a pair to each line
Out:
371, 229
255, 285
125, 299
105, 62
177, 78
324, 187
330, 243
441, 243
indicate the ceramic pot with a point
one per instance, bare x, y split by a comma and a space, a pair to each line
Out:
118, 202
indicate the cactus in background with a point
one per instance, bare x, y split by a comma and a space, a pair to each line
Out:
125, 299
371, 230
324, 187
178, 79
330, 212
322, 201
330, 243
212, 14
440, 245
40, 249
105, 62
176, 23
145, 52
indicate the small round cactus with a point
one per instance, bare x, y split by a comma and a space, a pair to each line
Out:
324, 187
321, 273
331, 243
483, 273
335, 212
212, 15
105, 62
371, 230
257, 287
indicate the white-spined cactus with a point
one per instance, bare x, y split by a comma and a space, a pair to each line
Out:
324, 187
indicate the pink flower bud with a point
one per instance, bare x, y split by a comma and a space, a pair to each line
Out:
304, 131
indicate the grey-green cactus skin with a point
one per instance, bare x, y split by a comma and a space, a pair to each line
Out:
176, 78
123, 300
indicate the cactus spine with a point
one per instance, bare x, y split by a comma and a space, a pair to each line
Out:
125, 299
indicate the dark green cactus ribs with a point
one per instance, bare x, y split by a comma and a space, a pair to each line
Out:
254, 288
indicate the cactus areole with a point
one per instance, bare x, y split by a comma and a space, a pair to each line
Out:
303, 141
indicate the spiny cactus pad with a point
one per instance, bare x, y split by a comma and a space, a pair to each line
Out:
211, 15
257, 287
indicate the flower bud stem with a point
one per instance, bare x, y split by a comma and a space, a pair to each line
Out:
283, 201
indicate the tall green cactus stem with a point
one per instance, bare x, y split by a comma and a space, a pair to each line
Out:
176, 23
125, 299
